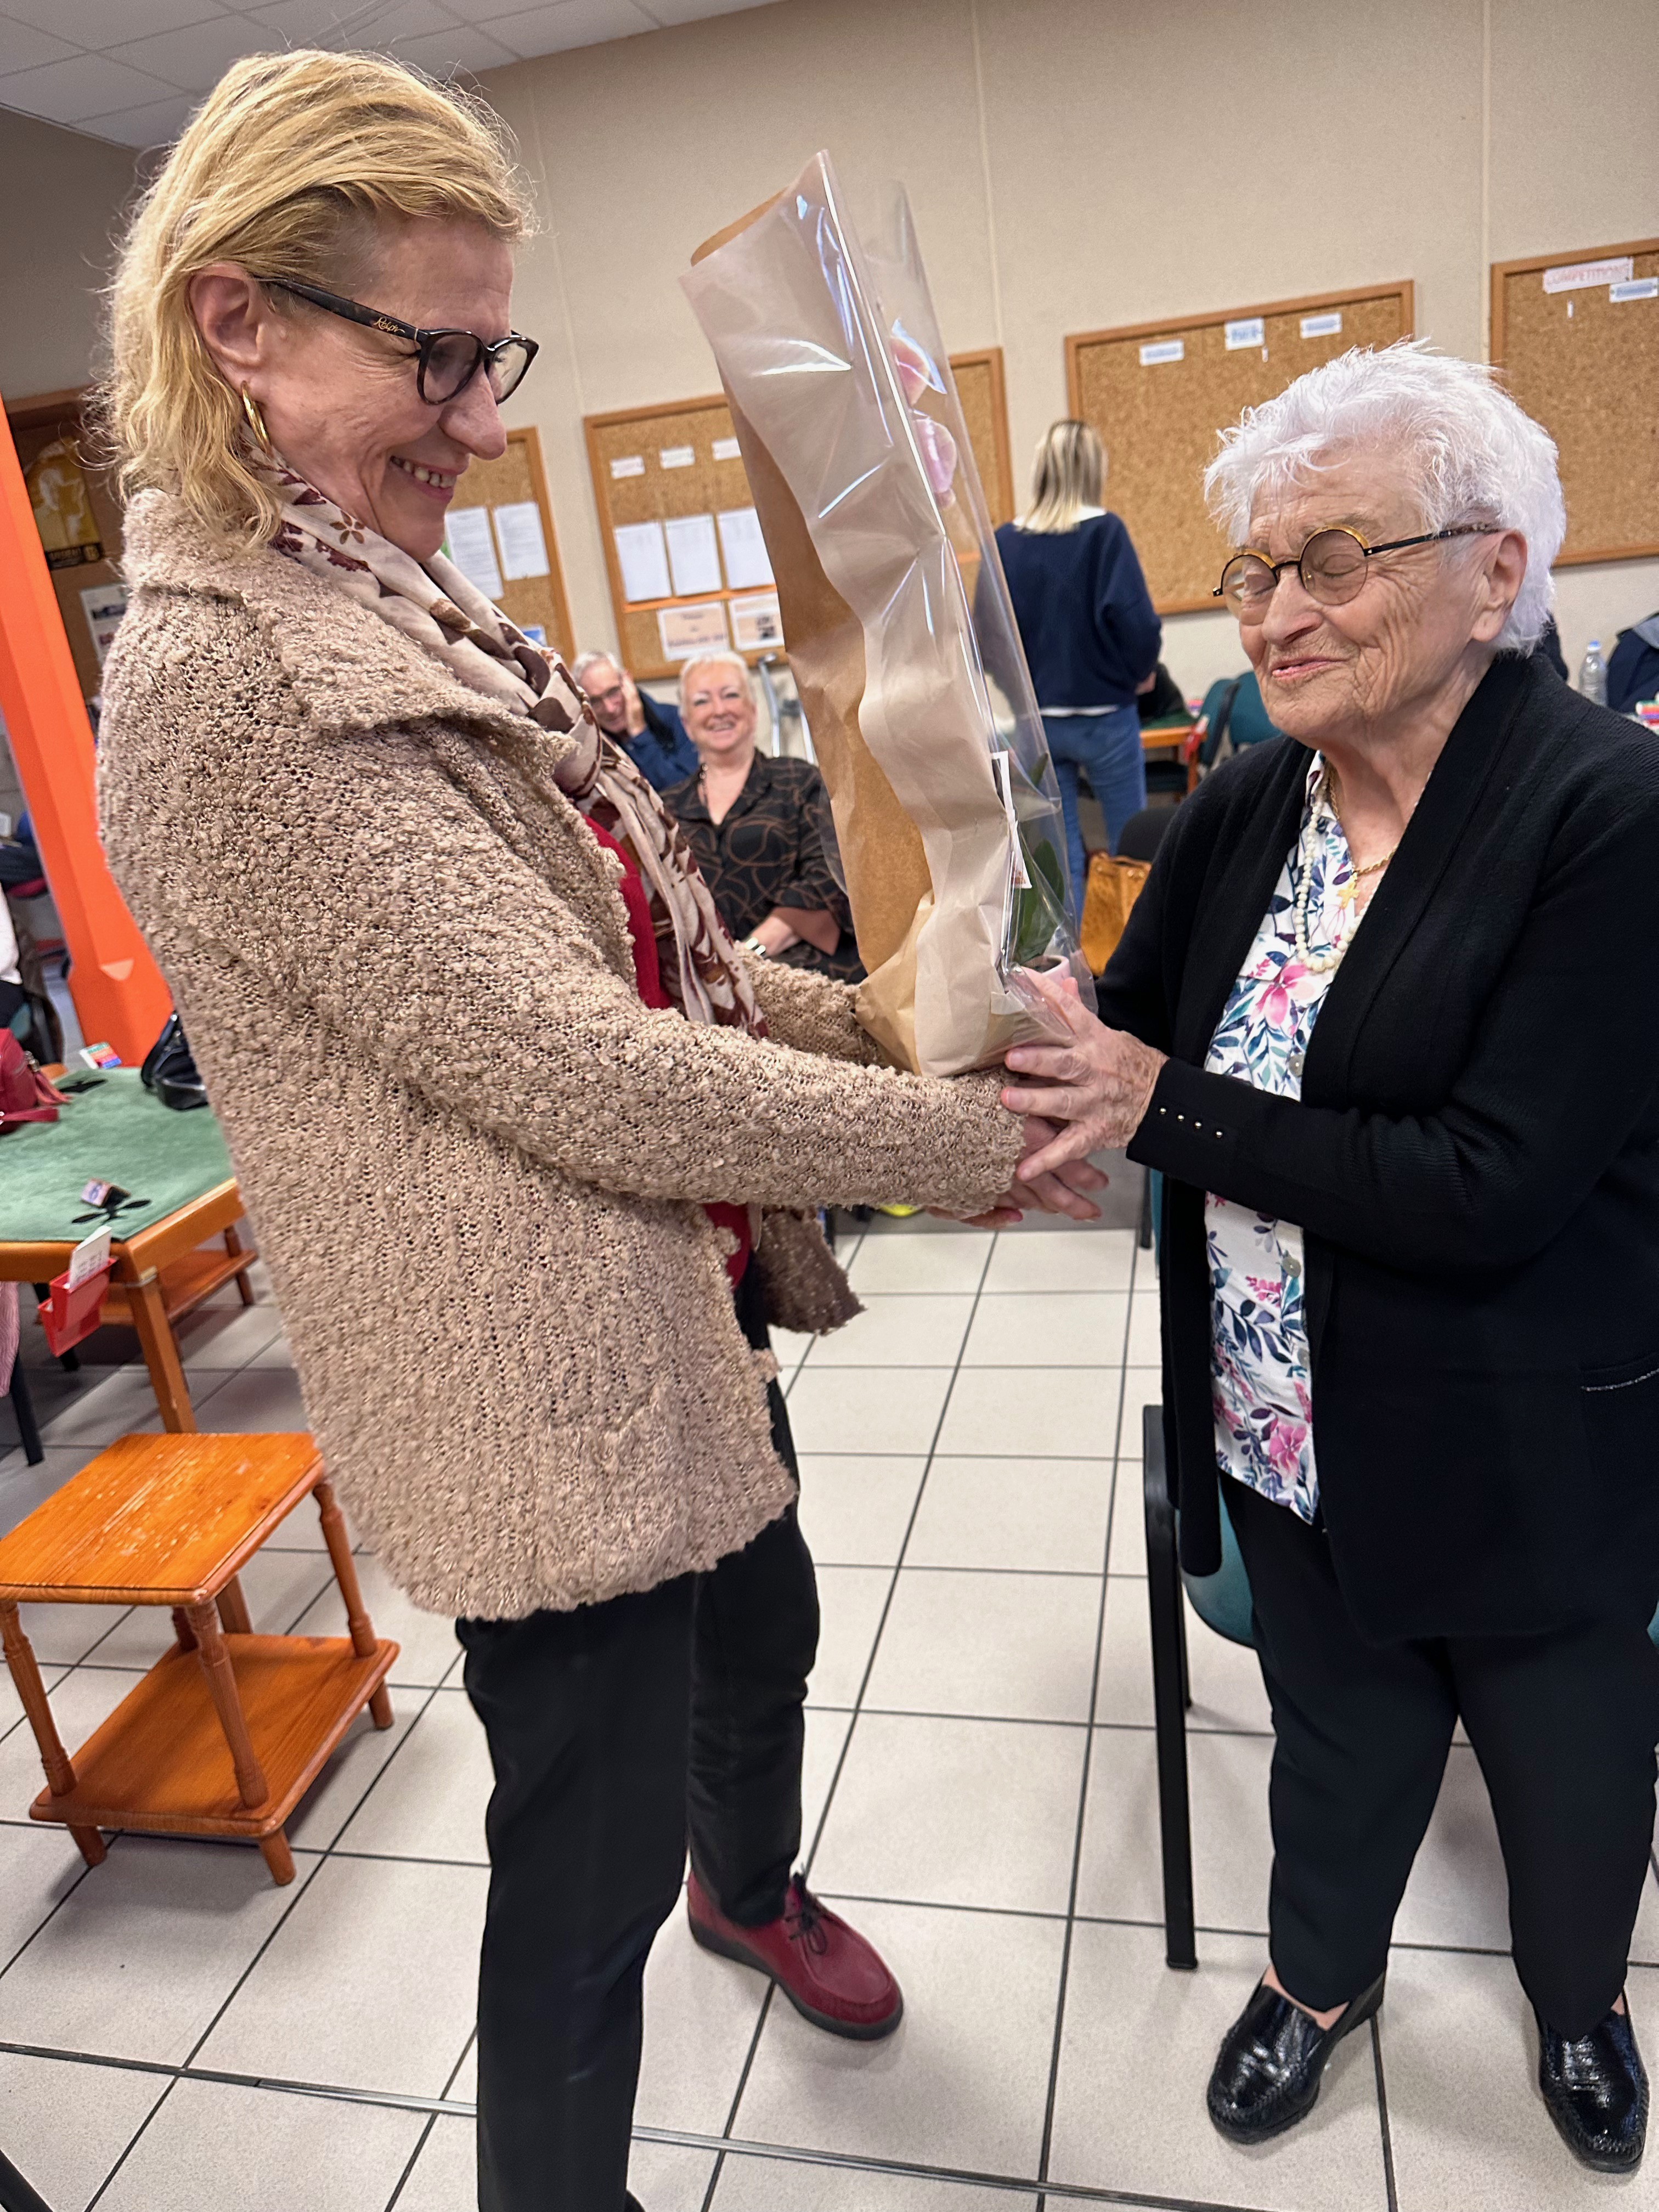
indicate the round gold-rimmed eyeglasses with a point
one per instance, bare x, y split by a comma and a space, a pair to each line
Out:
1331, 567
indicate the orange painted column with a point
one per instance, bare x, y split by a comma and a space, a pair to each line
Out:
119, 995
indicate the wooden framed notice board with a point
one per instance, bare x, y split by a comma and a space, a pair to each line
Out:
500, 534
78, 512
1577, 337
1159, 392
682, 549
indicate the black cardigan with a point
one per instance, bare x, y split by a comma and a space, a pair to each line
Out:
1474, 1161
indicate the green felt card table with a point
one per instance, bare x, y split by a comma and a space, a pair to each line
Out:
115, 1132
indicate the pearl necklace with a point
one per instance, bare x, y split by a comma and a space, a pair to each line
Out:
1321, 963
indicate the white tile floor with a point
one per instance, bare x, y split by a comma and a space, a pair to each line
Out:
980, 1797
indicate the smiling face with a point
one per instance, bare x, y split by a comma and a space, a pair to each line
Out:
717, 708
1423, 622
341, 403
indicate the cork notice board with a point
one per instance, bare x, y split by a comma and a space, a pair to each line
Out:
678, 465
78, 513
517, 480
1578, 344
1159, 392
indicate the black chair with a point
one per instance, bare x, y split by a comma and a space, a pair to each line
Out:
1221, 1600
22, 1406
15, 2194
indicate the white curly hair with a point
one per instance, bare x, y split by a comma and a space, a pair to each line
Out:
1471, 455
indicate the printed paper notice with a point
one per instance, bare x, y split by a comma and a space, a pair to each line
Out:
727, 449
643, 559
91, 1254
676, 457
627, 464
1151, 357
686, 630
741, 542
472, 548
104, 604
1247, 330
1634, 287
1580, 276
756, 622
518, 533
1323, 326
693, 556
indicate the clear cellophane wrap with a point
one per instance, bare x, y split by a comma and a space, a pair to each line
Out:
897, 622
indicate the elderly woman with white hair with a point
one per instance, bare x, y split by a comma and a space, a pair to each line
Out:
1372, 1021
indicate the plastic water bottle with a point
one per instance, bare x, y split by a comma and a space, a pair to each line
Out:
1592, 674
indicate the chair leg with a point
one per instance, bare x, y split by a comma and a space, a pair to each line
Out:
23, 1405
15, 2194
1144, 1237
1164, 1599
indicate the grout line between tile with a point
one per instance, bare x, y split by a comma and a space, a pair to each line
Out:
1382, 2115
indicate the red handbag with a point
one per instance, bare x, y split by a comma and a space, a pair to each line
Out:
25, 1093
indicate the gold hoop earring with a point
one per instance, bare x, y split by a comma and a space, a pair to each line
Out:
256, 422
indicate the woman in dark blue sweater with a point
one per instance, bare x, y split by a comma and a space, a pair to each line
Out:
1089, 628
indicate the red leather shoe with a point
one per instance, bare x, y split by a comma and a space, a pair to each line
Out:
827, 1970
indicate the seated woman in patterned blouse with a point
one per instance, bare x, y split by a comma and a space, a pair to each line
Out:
1387, 1018
757, 827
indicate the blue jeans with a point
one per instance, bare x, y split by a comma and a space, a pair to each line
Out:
1106, 748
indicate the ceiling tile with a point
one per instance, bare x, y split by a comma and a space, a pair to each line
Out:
99, 23
351, 22
693, 11
22, 47
464, 47
196, 59
157, 124
70, 91
553, 29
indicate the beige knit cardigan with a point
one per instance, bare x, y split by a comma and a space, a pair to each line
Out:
475, 1161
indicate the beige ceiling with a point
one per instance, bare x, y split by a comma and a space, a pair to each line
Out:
131, 70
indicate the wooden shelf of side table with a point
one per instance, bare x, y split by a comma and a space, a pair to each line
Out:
228, 1731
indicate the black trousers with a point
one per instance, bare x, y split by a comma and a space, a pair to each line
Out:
1563, 1726
612, 1730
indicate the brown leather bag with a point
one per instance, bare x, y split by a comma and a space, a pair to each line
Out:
1113, 888
25, 1093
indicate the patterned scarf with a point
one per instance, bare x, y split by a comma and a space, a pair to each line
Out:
448, 617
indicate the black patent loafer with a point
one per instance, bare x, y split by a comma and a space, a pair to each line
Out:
1596, 2089
1267, 2070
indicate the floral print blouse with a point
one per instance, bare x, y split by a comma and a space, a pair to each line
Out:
1261, 1386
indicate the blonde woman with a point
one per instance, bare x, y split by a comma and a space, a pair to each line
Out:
502, 1093
1089, 628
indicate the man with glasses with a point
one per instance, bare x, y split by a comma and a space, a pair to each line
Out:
650, 733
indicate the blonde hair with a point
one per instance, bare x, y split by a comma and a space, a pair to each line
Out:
714, 660
1067, 477
286, 168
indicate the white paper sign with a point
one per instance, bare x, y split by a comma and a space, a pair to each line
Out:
518, 533
1249, 331
643, 559
686, 630
1638, 287
472, 548
741, 542
676, 457
1164, 350
1323, 326
1579, 276
91, 1254
727, 449
627, 464
104, 604
693, 556
756, 622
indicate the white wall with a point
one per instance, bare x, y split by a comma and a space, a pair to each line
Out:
1073, 164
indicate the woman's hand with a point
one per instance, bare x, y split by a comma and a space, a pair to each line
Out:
1103, 1081
1068, 1190
774, 934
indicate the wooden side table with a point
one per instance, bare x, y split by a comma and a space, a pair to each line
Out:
228, 1729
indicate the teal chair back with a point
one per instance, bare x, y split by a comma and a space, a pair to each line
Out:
1222, 1601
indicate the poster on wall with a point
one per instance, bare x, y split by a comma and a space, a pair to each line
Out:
686, 630
62, 507
756, 622
104, 604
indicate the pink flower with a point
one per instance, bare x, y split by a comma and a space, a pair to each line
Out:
1265, 1292
1286, 1442
1276, 1002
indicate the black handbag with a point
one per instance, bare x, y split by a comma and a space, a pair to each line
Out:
170, 1070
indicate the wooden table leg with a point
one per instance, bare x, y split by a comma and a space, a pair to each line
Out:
278, 1858
233, 1245
345, 1573
160, 1348
222, 1685
183, 1630
60, 1772
233, 1616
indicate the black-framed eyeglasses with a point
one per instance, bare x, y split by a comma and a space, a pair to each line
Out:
446, 362
1330, 566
